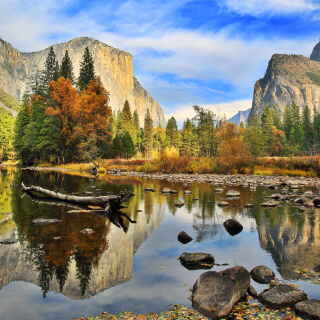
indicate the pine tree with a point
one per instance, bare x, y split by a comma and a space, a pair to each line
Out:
137, 132
287, 121
172, 134
6, 135
148, 134
86, 69
267, 130
126, 123
50, 71
307, 127
253, 136
66, 68
128, 145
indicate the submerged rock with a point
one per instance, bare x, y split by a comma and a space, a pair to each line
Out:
149, 190
223, 204
282, 296
262, 274
9, 241
41, 221
184, 238
87, 231
196, 260
179, 203
215, 293
233, 227
309, 309
233, 193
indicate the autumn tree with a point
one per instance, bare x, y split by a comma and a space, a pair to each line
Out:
6, 135
65, 99
86, 70
233, 153
93, 117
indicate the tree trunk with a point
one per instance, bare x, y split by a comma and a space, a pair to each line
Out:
112, 201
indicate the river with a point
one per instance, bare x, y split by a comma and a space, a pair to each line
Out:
56, 272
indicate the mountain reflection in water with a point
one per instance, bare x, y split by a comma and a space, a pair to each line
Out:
59, 258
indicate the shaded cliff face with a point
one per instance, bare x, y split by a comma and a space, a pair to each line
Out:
288, 78
114, 66
315, 55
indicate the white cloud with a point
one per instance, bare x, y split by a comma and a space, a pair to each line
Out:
257, 7
227, 109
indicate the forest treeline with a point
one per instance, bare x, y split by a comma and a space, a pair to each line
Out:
64, 119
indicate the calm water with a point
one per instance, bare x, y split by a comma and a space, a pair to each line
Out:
56, 272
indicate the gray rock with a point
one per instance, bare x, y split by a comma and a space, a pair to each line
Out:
173, 191
191, 258
233, 193
41, 221
269, 204
316, 201
166, 190
233, 227
249, 205
215, 293
301, 200
262, 274
223, 204
252, 292
317, 267
149, 190
187, 192
9, 241
184, 238
281, 296
309, 204
309, 309
179, 203
87, 231
218, 190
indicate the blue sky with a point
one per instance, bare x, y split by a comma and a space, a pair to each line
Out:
185, 52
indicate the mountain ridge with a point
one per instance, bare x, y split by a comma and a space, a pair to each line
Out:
114, 66
288, 78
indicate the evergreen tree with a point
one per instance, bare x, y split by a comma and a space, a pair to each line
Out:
86, 69
148, 134
253, 136
6, 136
137, 132
21, 123
307, 127
267, 130
126, 123
66, 68
206, 130
128, 145
51, 69
172, 134
276, 119
159, 139
287, 121
117, 146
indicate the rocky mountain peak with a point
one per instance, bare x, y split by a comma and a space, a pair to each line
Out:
315, 55
114, 66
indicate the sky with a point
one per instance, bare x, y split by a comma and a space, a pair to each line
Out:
208, 53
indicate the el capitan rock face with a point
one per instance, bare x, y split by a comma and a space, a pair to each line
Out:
288, 78
114, 66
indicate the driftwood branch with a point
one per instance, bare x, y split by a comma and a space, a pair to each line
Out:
113, 201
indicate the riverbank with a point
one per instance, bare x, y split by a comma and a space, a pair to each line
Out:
264, 166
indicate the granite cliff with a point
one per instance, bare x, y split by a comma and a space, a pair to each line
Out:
288, 78
114, 66
241, 116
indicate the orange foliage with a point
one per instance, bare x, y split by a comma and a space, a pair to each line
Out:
233, 153
65, 98
93, 114
279, 138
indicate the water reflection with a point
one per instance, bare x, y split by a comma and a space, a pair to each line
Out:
59, 258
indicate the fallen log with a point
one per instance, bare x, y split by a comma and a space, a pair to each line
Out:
113, 201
